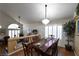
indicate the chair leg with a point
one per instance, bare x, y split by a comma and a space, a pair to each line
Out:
30, 52
56, 54
24, 52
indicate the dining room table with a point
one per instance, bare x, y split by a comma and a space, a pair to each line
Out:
43, 45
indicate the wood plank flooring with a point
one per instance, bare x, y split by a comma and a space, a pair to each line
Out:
64, 52
61, 52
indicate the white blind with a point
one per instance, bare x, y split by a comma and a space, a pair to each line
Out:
55, 30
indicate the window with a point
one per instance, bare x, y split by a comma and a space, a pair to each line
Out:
0, 26
13, 30
55, 30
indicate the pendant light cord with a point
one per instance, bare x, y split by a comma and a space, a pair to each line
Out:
45, 11
19, 21
45, 21
19, 18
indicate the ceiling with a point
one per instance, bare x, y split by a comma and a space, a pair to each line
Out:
35, 12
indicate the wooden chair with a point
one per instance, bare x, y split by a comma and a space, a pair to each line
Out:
24, 48
27, 48
36, 39
5, 45
55, 48
6, 40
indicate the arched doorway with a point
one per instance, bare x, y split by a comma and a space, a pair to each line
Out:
13, 30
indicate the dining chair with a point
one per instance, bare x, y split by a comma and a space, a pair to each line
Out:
5, 46
55, 48
6, 40
28, 49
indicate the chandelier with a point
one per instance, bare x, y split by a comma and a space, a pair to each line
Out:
45, 21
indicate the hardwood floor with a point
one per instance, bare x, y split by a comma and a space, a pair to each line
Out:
64, 52
61, 52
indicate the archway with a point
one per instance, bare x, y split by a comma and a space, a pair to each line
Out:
13, 30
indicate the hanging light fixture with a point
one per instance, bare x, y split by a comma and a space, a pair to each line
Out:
19, 21
45, 21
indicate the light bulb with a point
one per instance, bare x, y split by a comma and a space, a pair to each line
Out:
45, 21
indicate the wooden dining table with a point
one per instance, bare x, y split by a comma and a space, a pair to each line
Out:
43, 45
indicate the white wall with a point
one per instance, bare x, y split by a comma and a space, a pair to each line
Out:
40, 28
26, 29
29, 27
6, 20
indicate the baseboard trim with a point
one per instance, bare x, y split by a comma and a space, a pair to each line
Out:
61, 47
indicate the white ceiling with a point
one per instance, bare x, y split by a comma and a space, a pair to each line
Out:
34, 12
